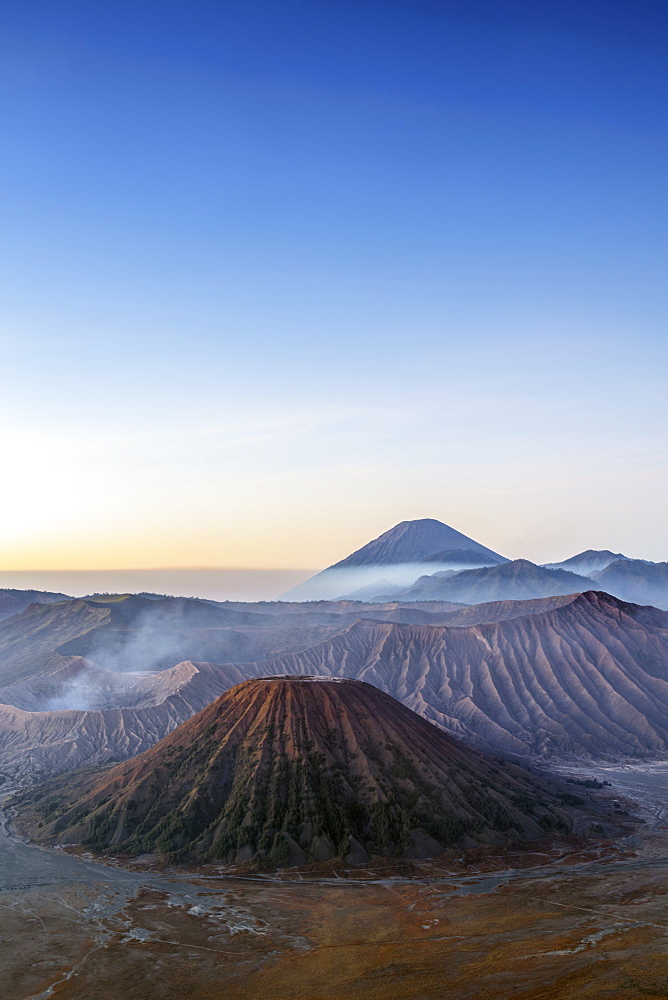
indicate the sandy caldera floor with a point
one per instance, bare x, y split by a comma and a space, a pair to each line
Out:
575, 924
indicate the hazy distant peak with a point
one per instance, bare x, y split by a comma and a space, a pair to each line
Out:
636, 580
589, 561
400, 552
412, 541
523, 567
508, 581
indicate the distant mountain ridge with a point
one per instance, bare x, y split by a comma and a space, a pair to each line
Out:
391, 567
582, 676
123, 632
509, 581
13, 602
640, 581
412, 562
636, 580
129, 633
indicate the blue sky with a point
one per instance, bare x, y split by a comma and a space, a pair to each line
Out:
277, 275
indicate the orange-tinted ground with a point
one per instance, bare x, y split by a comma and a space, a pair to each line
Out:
585, 924
574, 934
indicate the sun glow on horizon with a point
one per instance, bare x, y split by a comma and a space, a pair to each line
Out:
271, 285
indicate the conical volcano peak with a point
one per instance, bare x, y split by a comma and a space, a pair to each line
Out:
396, 558
288, 769
412, 541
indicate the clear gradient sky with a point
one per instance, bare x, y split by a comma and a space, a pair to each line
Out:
277, 275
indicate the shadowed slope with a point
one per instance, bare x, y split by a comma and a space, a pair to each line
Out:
29, 641
294, 767
465, 558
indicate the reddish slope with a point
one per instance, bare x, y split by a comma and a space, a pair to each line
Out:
301, 767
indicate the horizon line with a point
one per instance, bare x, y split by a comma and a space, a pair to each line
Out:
161, 569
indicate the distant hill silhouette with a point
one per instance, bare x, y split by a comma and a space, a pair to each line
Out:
511, 581
588, 562
636, 580
12, 602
